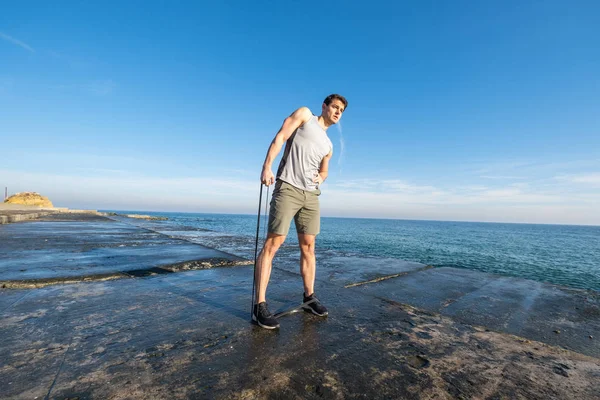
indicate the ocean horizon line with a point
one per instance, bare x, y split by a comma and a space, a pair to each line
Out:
362, 218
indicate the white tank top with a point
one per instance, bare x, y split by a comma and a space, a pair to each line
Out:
303, 154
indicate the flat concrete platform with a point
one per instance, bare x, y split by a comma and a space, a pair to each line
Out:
538, 311
188, 335
71, 246
10, 213
400, 330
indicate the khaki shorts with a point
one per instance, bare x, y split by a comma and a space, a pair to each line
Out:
290, 202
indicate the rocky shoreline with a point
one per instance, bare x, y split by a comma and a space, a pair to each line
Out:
10, 213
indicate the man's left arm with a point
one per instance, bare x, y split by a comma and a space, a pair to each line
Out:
323, 169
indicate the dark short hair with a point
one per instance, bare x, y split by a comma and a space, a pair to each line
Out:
335, 96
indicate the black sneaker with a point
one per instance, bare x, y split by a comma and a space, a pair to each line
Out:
315, 307
263, 317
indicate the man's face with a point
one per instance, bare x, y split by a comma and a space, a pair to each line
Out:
333, 111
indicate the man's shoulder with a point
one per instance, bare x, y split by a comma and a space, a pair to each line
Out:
304, 113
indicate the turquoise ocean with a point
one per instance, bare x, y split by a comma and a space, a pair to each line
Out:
560, 254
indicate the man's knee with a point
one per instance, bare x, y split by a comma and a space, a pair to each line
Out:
307, 251
272, 244
307, 244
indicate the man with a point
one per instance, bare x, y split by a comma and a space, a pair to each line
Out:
302, 169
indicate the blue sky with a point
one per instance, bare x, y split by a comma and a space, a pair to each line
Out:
476, 111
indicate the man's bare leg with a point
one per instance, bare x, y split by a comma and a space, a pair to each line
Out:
264, 264
308, 262
308, 267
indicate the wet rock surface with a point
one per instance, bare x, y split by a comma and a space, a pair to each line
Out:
530, 309
71, 247
188, 334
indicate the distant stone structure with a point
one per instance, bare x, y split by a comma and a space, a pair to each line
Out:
148, 217
30, 199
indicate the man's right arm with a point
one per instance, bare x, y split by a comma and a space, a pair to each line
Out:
291, 123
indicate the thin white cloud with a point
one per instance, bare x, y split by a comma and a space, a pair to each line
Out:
500, 168
401, 186
122, 188
591, 179
101, 171
430, 195
17, 42
383, 185
520, 169
502, 193
491, 206
242, 172
472, 188
502, 177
